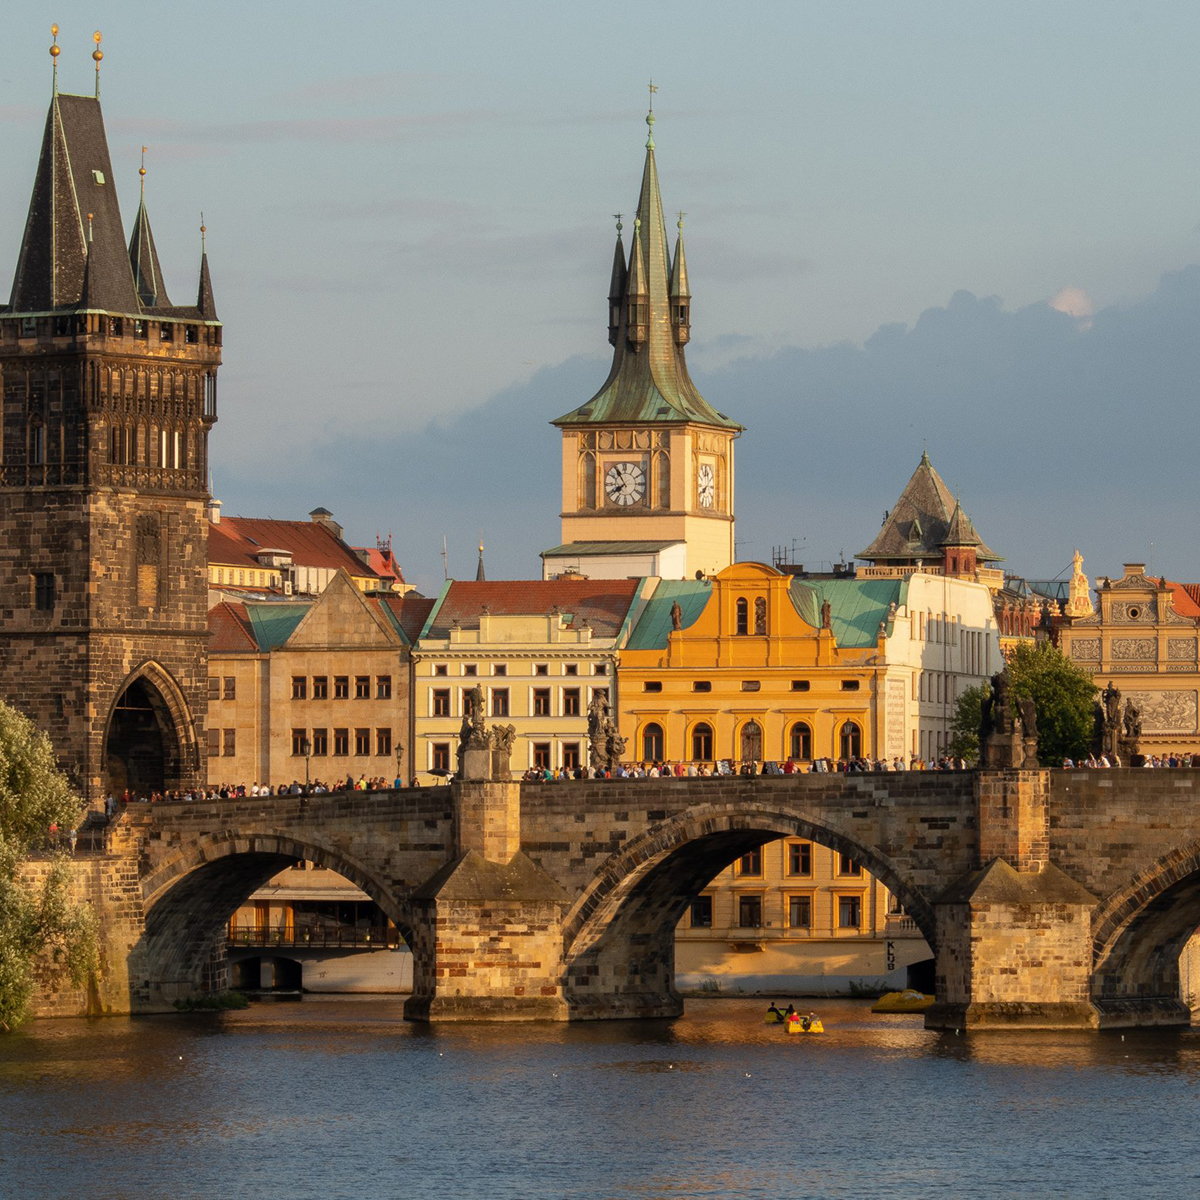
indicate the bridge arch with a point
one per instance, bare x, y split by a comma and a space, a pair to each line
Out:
189, 899
1139, 932
618, 937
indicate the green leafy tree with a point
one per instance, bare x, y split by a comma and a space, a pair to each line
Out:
40, 926
964, 728
1064, 696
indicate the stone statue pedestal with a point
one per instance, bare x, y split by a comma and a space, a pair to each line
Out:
1005, 752
476, 763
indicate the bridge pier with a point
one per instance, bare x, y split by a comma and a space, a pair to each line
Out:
1014, 937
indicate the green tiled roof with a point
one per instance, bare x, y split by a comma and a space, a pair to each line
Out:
858, 606
654, 627
589, 549
273, 624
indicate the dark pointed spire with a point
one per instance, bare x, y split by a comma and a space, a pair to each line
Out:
143, 255
681, 295
649, 378
616, 286
204, 298
480, 574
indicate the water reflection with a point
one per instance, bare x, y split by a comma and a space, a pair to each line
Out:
341, 1098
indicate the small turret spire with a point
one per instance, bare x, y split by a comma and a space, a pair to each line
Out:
97, 56
143, 254
616, 286
55, 51
204, 299
679, 291
480, 574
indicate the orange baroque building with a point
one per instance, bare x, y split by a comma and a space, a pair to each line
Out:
755, 665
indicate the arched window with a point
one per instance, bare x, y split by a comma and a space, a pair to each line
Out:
743, 616
850, 741
663, 463
751, 740
800, 743
760, 615
587, 473
652, 743
702, 743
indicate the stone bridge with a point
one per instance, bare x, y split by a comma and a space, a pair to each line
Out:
1050, 899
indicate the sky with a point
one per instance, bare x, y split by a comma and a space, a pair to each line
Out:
971, 227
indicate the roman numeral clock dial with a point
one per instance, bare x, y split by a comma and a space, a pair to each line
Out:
625, 483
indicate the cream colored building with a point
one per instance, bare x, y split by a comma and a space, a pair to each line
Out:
318, 688
1144, 637
795, 917
539, 649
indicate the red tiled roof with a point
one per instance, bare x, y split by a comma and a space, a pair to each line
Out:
603, 603
236, 541
1187, 598
411, 611
229, 629
382, 561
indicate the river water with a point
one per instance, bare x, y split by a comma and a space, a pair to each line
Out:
341, 1098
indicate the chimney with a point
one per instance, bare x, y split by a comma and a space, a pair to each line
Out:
214, 510
1132, 569
322, 516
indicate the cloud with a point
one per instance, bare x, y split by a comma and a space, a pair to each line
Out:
1075, 302
1054, 436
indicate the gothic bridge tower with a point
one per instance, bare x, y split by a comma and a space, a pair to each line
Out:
109, 393
647, 465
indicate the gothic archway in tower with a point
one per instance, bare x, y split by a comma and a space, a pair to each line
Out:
149, 739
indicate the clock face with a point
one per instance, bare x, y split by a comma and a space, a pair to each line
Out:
625, 483
706, 485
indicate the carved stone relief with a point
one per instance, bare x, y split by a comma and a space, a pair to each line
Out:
1127, 648
1166, 712
1181, 648
1085, 649
895, 718
1133, 612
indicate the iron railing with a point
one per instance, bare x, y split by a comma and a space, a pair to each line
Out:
315, 937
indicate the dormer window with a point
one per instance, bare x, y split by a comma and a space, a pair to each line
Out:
98, 177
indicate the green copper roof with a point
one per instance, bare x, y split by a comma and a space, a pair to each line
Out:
649, 381
858, 606
654, 627
273, 624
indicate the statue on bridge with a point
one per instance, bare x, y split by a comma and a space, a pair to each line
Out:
1109, 734
502, 740
605, 744
474, 745
1007, 728
1131, 736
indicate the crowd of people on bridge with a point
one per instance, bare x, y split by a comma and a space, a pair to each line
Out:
1150, 761
725, 768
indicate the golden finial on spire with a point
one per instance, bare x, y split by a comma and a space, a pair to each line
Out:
97, 56
679, 223
203, 231
55, 51
142, 170
617, 217
650, 118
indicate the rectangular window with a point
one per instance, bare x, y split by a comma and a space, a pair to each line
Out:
383, 687
652, 685
847, 865
439, 668
43, 592
230, 742
362, 687
750, 864
541, 668
799, 858
571, 755
298, 742
500, 669
702, 685
441, 702
600, 669
541, 702
362, 742
441, 756
750, 912
849, 912
341, 687
800, 912
383, 742
214, 743
320, 687
850, 685
470, 669
541, 755
299, 687
499, 702
341, 743
320, 743
799, 685
751, 685
702, 912
570, 702
571, 669
230, 687
214, 689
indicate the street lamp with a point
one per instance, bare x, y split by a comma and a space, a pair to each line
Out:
306, 750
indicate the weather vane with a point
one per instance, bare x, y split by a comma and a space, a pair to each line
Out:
653, 88
617, 218
55, 51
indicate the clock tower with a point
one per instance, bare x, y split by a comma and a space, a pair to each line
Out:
647, 465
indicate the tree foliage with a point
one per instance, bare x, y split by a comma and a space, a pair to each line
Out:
39, 923
1064, 696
